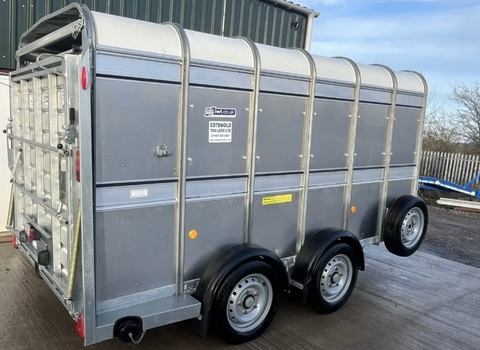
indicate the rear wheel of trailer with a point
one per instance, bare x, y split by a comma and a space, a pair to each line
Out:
246, 302
335, 278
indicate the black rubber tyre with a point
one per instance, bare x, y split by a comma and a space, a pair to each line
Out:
238, 283
335, 278
405, 225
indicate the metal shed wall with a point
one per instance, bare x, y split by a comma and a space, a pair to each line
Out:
260, 21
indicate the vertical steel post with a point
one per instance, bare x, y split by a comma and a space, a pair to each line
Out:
87, 194
252, 139
306, 151
182, 156
421, 122
387, 152
352, 133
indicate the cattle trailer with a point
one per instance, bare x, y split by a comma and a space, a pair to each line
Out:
161, 174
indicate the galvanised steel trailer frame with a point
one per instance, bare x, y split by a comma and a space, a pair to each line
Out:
160, 174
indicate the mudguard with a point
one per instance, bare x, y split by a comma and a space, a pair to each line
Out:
311, 252
219, 268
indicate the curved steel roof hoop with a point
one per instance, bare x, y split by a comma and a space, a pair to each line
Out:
421, 121
182, 156
350, 155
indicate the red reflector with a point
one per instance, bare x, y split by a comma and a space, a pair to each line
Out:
80, 327
77, 165
14, 242
33, 235
84, 78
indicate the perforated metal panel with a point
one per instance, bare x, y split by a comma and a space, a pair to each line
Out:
44, 178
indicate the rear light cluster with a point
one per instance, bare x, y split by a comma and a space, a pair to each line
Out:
84, 84
80, 327
84, 78
24, 236
33, 235
14, 242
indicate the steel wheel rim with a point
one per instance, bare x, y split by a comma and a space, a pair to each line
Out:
412, 227
336, 278
249, 303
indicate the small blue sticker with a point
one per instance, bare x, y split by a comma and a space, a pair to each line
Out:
220, 112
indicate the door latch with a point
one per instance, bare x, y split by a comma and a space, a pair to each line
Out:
163, 151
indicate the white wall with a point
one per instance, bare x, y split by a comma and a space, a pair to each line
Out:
4, 171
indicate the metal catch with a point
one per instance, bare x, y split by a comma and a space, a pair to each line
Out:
163, 151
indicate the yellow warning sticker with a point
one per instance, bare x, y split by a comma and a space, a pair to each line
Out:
284, 198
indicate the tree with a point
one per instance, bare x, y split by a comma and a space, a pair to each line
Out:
439, 133
468, 114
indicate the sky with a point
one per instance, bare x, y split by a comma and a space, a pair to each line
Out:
438, 38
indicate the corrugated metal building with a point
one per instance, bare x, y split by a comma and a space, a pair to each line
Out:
272, 22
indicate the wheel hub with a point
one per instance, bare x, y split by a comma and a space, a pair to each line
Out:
336, 278
249, 302
412, 227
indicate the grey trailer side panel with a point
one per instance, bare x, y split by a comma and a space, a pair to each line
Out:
330, 134
293, 84
370, 137
372, 95
129, 64
208, 74
275, 212
217, 144
280, 133
133, 119
409, 99
397, 188
324, 208
128, 258
224, 229
407, 120
365, 198
334, 90
275, 225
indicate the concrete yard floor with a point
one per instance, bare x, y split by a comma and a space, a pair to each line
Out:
420, 302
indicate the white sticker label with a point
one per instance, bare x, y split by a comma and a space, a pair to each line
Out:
221, 112
139, 193
219, 132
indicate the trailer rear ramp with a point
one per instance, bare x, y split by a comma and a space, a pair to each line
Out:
383, 313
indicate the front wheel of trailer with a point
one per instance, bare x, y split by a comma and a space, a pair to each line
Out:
246, 302
405, 225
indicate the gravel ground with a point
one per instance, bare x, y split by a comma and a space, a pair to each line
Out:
453, 235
